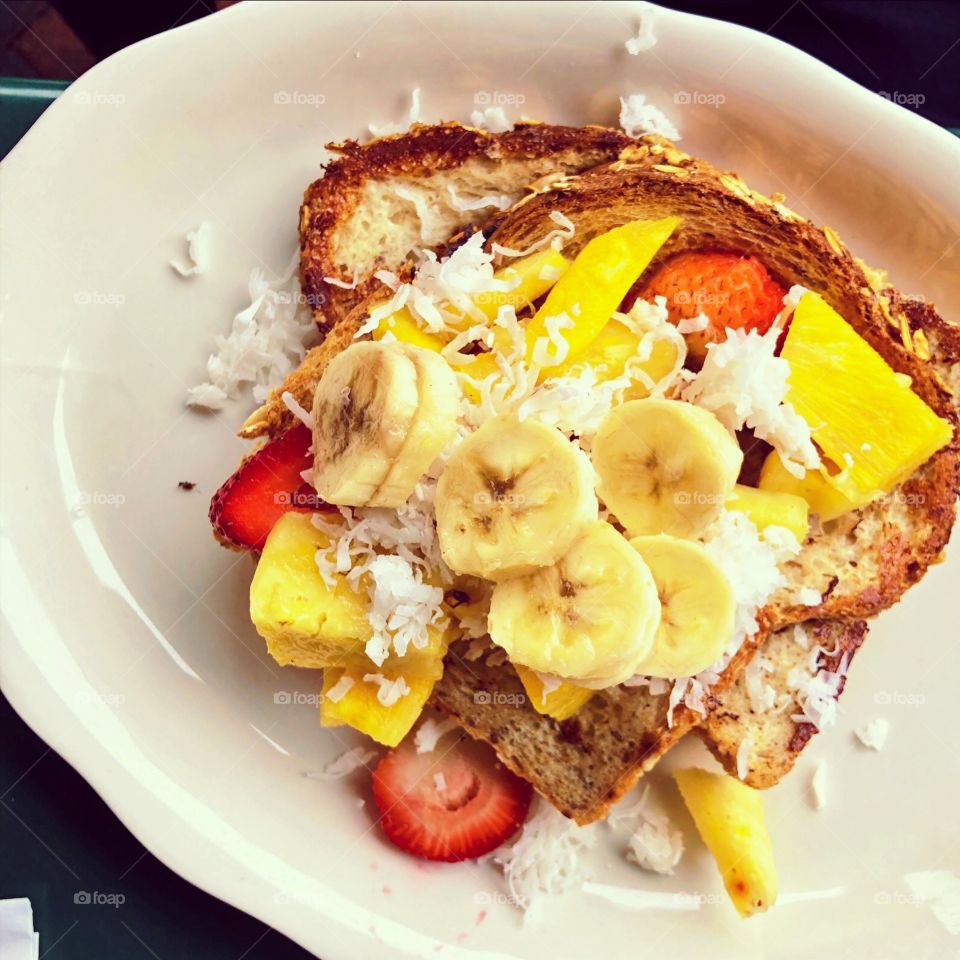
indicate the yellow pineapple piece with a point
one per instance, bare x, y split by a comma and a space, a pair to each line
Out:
825, 500
361, 709
609, 353
862, 414
597, 281
769, 508
729, 818
307, 623
561, 703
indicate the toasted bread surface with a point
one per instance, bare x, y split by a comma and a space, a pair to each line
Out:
379, 202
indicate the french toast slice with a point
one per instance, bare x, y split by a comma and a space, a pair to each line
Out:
585, 764
859, 564
380, 202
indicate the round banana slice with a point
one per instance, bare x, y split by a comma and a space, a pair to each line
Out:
665, 466
592, 616
697, 607
512, 498
371, 444
433, 427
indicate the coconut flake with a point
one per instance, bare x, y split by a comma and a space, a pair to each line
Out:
816, 691
645, 39
873, 733
345, 764
637, 117
654, 844
340, 689
744, 752
291, 403
818, 785
493, 119
430, 732
413, 116
809, 597
744, 383
389, 691
198, 252
266, 340
545, 858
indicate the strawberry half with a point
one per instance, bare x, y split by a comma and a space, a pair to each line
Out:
264, 487
730, 289
451, 804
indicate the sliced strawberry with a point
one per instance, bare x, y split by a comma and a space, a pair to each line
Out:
451, 804
264, 487
730, 289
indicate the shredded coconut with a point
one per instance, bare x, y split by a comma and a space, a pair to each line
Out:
809, 597
198, 252
654, 845
816, 691
645, 39
751, 562
390, 691
266, 340
638, 117
345, 764
464, 204
873, 733
440, 782
744, 752
549, 683
291, 403
430, 732
340, 689
818, 785
554, 238
545, 858
413, 116
493, 119
743, 383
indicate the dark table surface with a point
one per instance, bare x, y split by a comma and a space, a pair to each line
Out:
58, 839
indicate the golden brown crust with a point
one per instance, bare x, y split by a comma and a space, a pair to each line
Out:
331, 201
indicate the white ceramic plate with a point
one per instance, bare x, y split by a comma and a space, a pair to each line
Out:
127, 646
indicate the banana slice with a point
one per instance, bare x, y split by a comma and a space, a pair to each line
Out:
697, 607
665, 466
433, 427
592, 616
512, 498
381, 413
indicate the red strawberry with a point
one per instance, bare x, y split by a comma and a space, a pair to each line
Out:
452, 804
731, 289
264, 487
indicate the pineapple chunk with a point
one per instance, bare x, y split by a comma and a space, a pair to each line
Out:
359, 707
307, 623
614, 346
592, 289
825, 500
862, 414
729, 818
561, 703
768, 508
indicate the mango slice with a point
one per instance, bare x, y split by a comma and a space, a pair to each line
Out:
307, 623
599, 278
359, 707
770, 508
534, 276
561, 703
824, 499
613, 347
729, 818
405, 328
862, 414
